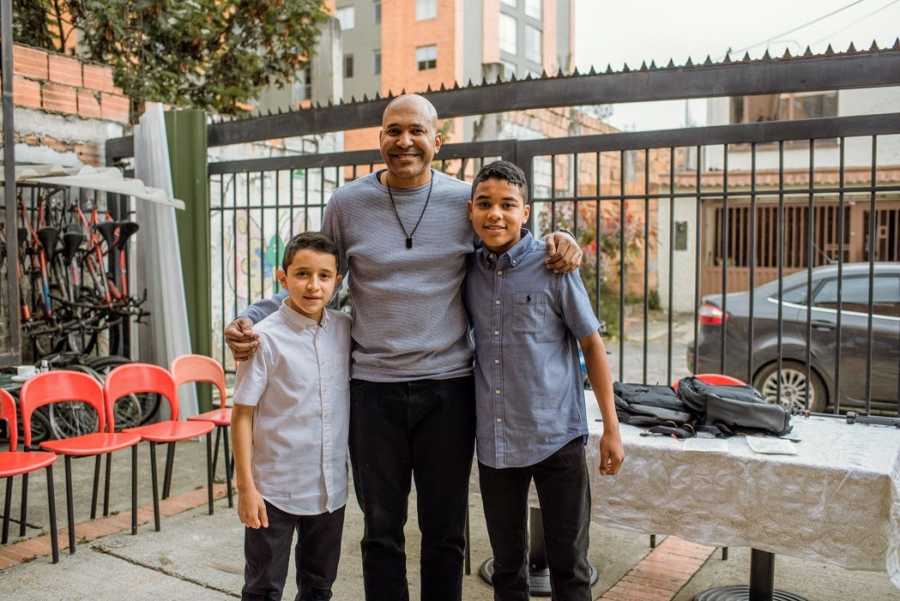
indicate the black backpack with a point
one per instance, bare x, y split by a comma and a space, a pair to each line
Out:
656, 407
733, 407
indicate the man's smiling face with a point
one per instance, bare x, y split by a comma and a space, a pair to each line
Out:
409, 140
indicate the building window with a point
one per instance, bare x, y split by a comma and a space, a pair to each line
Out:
533, 44
533, 9
426, 57
346, 16
377, 57
426, 9
348, 65
783, 107
508, 34
303, 84
377, 7
512, 3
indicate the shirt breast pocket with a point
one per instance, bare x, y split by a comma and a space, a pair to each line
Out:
529, 312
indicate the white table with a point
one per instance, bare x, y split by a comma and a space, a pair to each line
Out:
836, 501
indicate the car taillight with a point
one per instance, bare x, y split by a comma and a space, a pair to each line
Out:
711, 315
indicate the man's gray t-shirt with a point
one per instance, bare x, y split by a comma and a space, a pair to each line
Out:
409, 319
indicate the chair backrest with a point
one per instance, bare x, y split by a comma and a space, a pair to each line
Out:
8, 415
61, 386
714, 380
134, 378
200, 368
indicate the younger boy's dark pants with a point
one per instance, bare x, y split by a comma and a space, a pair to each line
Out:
316, 555
563, 490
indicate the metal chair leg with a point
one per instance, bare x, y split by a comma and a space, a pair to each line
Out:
106, 485
216, 451
70, 509
96, 486
134, 495
23, 510
226, 459
209, 474
724, 553
167, 478
6, 503
51, 502
652, 541
155, 485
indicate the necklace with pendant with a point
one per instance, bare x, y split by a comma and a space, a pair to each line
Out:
409, 235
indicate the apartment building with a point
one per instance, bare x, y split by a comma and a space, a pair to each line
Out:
394, 45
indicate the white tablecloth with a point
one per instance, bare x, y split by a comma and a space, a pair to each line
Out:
836, 501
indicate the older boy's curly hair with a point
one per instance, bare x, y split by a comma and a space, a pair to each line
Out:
308, 240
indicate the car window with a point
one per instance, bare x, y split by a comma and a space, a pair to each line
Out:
795, 295
855, 295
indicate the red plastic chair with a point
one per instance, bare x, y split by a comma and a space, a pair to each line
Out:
200, 368
135, 378
67, 386
18, 463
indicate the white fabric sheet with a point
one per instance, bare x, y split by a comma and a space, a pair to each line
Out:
159, 255
837, 500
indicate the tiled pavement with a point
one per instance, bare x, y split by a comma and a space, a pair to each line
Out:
197, 557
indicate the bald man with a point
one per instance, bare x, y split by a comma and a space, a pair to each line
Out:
403, 235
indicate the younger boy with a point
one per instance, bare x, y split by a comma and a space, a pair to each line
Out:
531, 420
290, 427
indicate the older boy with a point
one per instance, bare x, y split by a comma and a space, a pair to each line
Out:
530, 412
290, 426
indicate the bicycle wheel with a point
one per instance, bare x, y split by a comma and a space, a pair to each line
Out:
71, 419
139, 408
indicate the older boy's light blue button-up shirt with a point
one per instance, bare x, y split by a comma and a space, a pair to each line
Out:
528, 385
298, 382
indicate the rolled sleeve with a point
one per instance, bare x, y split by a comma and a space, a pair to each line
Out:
252, 376
575, 305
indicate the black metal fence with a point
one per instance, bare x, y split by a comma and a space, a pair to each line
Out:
659, 222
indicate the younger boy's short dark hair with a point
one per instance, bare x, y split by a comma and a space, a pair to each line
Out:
505, 171
308, 240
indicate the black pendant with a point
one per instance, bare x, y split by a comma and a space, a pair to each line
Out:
408, 242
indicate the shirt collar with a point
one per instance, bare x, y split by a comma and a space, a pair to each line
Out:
511, 257
300, 320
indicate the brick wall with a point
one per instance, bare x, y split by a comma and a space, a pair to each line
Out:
57, 83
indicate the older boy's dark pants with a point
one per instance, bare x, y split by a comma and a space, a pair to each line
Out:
316, 555
563, 490
398, 431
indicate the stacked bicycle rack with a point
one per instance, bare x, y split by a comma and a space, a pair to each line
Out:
76, 304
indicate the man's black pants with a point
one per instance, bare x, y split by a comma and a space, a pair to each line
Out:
563, 490
424, 430
316, 556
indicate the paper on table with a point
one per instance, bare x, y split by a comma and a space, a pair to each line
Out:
771, 446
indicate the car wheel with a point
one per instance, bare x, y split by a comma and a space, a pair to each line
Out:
793, 386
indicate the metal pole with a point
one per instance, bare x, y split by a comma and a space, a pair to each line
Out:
9, 174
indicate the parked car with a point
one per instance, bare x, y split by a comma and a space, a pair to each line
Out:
885, 380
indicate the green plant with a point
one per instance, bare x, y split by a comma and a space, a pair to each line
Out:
209, 54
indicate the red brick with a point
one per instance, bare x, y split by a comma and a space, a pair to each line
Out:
30, 62
100, 78
60, 98
88, 105
114, 107
65, 70
88, 154
26, 92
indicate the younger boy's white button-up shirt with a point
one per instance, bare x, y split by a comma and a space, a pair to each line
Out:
298, 382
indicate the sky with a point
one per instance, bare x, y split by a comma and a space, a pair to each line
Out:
617, 32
